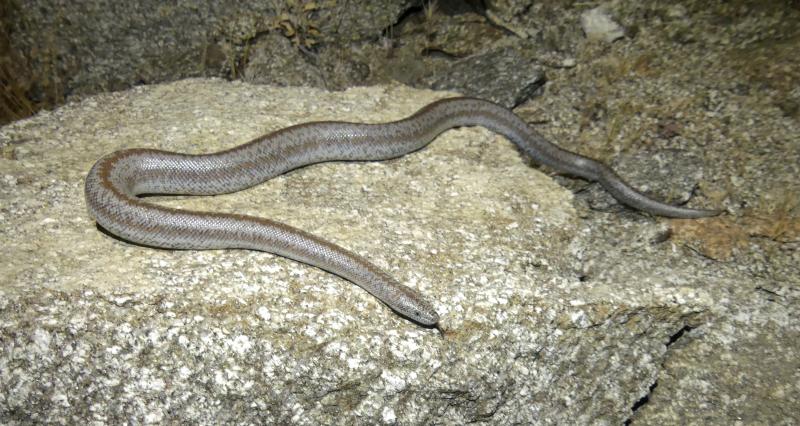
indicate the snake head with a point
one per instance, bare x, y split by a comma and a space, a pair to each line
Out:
412, 305
426, 316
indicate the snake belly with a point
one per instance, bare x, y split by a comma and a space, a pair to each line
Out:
115, 182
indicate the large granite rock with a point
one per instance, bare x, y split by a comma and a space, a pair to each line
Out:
582, 314
96, 329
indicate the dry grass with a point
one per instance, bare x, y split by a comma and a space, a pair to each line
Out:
720, 238
24, 88
14, 81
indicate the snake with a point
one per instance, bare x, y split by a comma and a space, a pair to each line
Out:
116, 186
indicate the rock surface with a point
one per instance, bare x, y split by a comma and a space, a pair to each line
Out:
87, 47
610, 314
598, 25
95, 328
494, 75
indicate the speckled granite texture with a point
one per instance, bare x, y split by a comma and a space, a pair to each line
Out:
559, 307
95, 328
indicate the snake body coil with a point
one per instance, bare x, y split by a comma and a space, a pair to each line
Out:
116, 180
